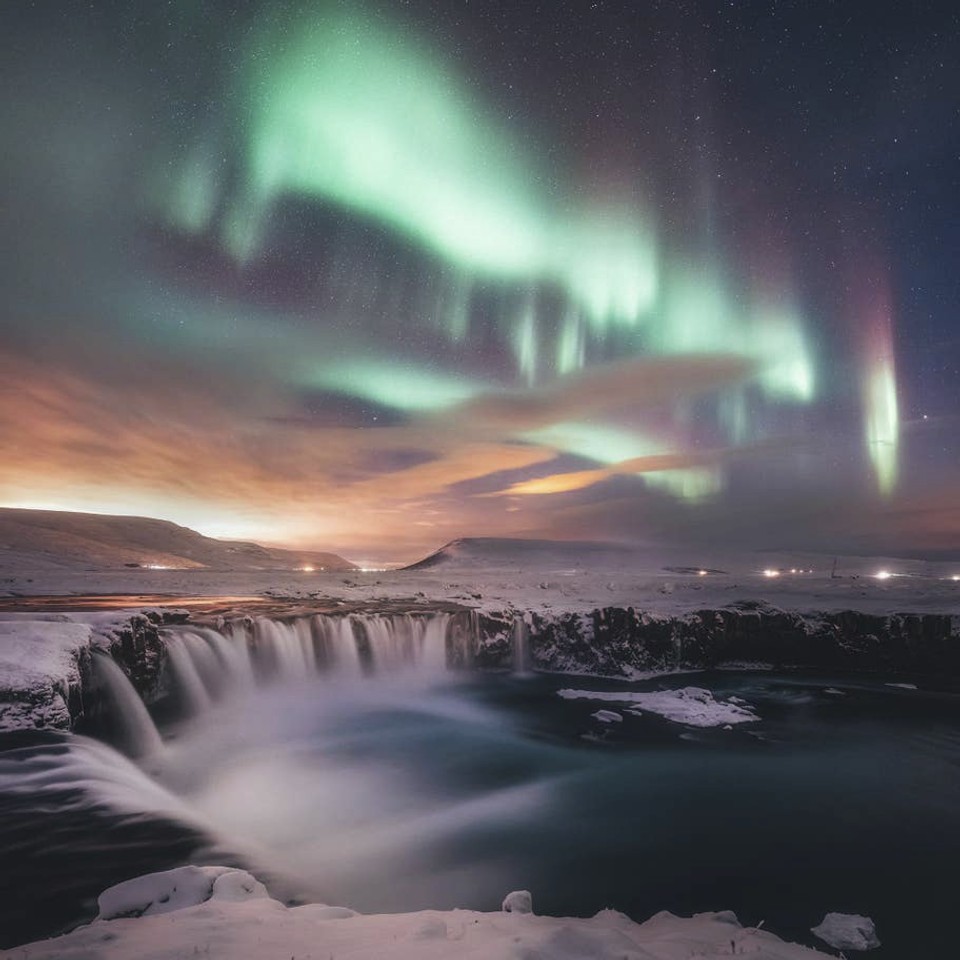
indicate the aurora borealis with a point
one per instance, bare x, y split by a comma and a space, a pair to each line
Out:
368, 277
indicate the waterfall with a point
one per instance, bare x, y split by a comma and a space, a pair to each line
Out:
234, 653
348, 645
206, 664
346, 658
187, 679
521, 647
286, 648
137, 729
434, 657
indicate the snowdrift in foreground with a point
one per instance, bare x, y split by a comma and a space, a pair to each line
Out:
222, 914
176, 889
690, 705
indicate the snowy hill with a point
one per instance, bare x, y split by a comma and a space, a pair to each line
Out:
498, 552
50, 540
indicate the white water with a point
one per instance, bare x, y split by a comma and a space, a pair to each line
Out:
100, 777
183, 654
319, 747
140, 734
206, 664
315, 746
521, 647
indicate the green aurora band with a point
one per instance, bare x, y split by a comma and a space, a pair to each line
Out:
347, 108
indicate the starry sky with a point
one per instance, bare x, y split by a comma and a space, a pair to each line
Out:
368, 277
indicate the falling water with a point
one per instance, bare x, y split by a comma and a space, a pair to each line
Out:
207, 664
137, 729
181, 648
521, 647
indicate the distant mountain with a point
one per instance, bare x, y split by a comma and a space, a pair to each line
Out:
33, 539
492, 552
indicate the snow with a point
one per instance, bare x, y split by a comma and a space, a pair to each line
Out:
607, 716
519, 901
494, 576
176, 889
689, 705
38, 666
258, 928
847, 931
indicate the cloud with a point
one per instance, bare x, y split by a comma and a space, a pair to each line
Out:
629, 384
580, 479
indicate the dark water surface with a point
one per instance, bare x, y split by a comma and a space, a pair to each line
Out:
453, 791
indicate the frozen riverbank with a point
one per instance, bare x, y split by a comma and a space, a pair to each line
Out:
231, 917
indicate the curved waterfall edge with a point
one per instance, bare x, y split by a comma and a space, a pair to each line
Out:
167, 657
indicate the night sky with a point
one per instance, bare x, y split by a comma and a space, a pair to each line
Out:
369, 277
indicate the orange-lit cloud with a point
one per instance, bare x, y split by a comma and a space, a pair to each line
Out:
581, 479
637, 383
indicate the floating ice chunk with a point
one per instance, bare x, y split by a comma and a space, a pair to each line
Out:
607, 716
847, 931
834, 692
177, 889
519, 901
902, 686
690, 705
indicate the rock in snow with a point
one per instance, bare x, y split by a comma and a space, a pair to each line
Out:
847, 931
519, 901
196, 921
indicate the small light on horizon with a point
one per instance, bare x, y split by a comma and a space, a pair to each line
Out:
307, 568
701, 573
883, 574
771, 573
956, 576
157, 566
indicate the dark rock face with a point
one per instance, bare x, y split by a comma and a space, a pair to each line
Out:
139, 650
619, 642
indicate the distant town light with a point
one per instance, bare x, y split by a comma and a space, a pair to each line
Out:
307, 568
771, 573
883, 574
703, 573
956, 576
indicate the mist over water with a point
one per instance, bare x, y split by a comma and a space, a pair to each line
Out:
354, 788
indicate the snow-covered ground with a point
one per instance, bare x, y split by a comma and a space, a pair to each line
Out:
224, 914
40, 663
645, 585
